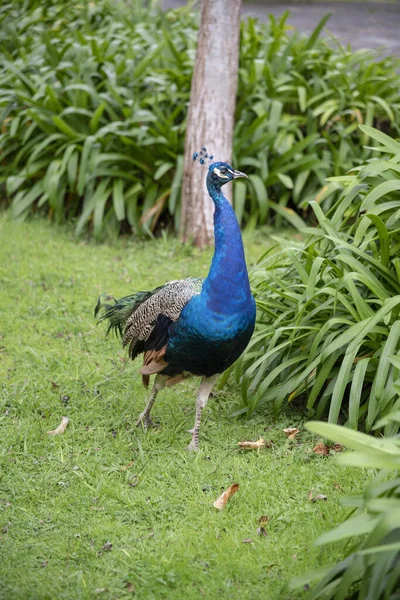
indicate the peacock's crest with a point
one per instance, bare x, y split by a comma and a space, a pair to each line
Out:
203, 157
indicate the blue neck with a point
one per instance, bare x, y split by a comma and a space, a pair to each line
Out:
227, 284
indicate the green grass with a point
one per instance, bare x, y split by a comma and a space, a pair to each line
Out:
63, 498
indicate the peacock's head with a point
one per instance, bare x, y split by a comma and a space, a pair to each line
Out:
219, 173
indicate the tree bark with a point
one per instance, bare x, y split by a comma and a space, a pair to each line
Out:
211, 112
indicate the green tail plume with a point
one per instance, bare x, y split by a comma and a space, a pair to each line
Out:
118, 313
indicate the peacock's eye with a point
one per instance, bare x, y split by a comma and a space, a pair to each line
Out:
222, 172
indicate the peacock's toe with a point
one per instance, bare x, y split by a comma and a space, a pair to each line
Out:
144, 421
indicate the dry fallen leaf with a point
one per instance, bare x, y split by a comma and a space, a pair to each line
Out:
107, 547
221, 502
247, 541
263, 519
61, 428
337, 447
320, 497
262, 531
291, 432
321, 449
261, 443
324, 449
125, 467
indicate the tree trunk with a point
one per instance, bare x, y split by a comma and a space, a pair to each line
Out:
211, 112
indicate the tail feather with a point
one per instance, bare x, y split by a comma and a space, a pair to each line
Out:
118, 313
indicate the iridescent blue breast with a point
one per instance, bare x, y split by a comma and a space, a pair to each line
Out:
204, 342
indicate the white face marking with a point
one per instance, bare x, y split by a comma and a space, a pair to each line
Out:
218, 172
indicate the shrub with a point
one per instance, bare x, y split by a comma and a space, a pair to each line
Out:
299, 105
328, 309
93, 114
371, 569
93, 107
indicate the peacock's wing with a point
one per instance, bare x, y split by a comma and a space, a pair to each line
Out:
144, 319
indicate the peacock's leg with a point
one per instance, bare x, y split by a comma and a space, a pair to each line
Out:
144, 417
205, 389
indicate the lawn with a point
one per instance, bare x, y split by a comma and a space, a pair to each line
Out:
106, 510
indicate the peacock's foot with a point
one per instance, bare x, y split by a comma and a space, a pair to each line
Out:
144, 421
193, 446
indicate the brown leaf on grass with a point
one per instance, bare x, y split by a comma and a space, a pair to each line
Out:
221, 502
247, 541
107, 547
318, 497
61, 428
125, 467
261, 443
291, 432
324, 449
321, 449
337, 447
262, 531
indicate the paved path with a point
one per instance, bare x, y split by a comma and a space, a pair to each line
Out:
362, 24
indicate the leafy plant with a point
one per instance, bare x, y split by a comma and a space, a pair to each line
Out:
371, 569
329, 308
93, 113
299, 105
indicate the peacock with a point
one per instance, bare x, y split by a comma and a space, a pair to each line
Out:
195, 326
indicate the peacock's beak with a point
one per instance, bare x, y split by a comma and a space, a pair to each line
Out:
237, 174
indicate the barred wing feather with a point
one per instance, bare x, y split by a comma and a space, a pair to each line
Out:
143, 319
150, 321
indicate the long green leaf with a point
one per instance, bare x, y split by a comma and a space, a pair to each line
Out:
118, 199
